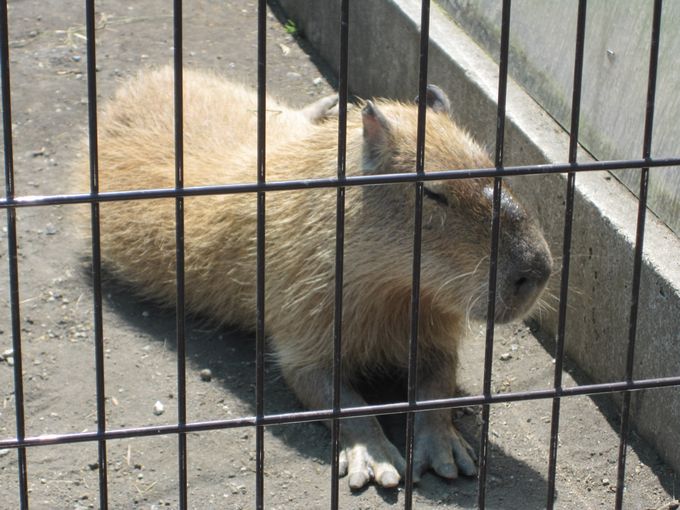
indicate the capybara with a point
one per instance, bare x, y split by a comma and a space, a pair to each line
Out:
136, 150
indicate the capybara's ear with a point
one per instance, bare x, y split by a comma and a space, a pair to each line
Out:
436, 99
376, 127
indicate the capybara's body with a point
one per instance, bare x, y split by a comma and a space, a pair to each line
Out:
136, 150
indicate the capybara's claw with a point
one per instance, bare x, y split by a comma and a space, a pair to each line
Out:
440, 447
383, 465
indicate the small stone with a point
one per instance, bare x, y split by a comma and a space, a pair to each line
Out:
506, 356
93, 466
50, 229
605, 481
158, 408
76, 58
317, 81
10, 361
7, 353
4, 451
145, 313
206, 375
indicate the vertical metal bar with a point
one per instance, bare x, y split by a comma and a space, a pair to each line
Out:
261, 177
493, 259
13, 255
412, 383
339, 249
179, 254
96, 250
639, 241
566, 250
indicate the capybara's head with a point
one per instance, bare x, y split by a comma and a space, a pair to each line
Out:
457, 214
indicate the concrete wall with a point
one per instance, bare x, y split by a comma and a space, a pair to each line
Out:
384, 39
616, 59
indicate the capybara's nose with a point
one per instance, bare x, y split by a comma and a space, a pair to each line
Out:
532, 276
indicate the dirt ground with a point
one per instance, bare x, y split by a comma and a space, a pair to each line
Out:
47, 58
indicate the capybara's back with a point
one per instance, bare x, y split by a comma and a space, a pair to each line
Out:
137, 151
137, 130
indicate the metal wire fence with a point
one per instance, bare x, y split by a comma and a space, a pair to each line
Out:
11, 202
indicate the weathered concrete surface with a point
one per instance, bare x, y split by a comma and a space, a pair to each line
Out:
616, 55
383, 61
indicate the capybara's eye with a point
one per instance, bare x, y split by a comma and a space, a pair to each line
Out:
437, 197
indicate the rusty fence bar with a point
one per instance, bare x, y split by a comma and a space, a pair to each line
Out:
180, 309
98, 321
333, 182
493, 258
348, 412
566, 251
339, 252
260, 273
412, 378
12, 254
639, 241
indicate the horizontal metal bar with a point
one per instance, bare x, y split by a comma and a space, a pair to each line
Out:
349, 412
334, 182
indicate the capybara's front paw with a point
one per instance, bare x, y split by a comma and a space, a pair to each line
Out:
440, 447
379, 462
322, 109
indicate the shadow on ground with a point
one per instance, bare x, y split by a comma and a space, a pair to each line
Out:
230, 355
609, 407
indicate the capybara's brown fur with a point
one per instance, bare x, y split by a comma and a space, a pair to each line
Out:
136, 150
